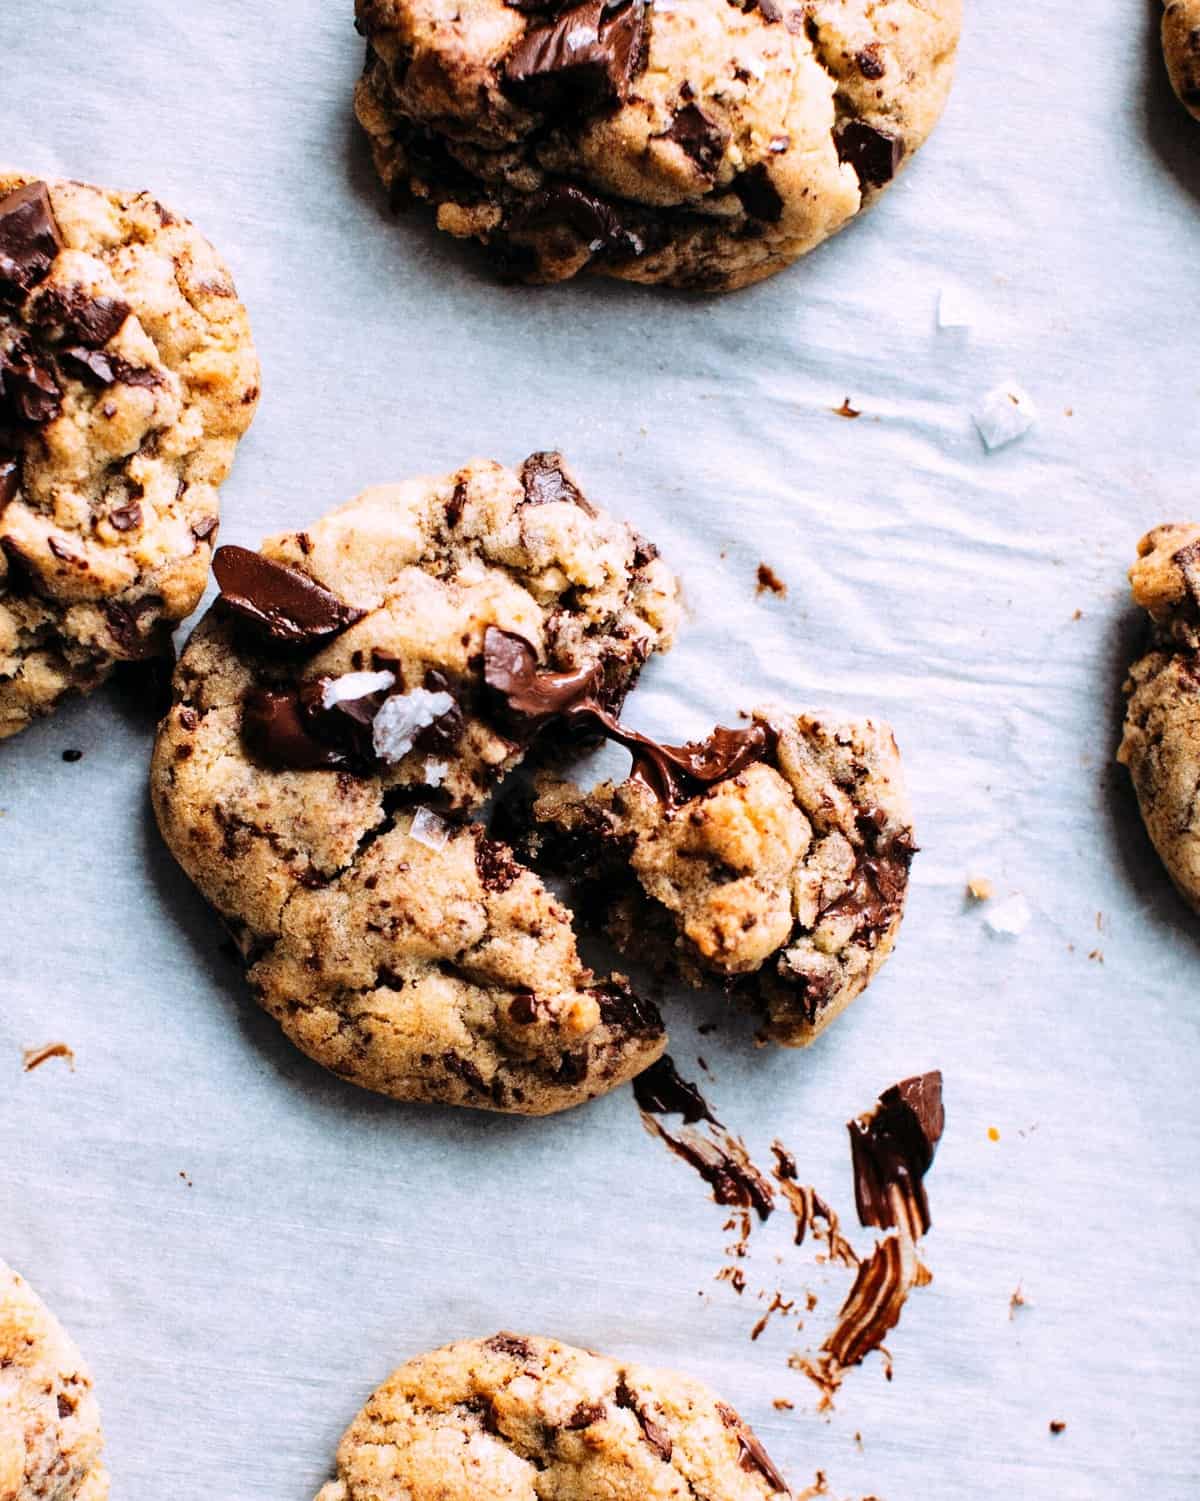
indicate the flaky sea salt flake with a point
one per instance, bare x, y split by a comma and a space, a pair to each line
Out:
1008, 918
428, 829
352, 685
1005, 414
401, 719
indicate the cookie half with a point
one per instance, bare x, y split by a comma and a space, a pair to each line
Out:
772, 859
127, 375
700, 143
1181, 48
50, 1438
335, 726
1161, 741
518, 1418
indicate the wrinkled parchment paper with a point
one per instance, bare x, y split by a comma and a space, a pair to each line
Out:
245, 1246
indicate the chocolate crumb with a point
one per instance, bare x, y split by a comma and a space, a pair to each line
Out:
846, 410
769, 581
72, 755
35, 1057
1057, 1426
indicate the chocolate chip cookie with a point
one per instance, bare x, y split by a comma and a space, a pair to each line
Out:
337, 720
1181, 47
127, 375
514, 1418
50, 1439
773, 859
700, 143
1161, 743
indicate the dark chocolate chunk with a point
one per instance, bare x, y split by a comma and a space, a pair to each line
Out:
509, 1344
625, 1011
125, 518
874, 154
10, 478
752, 1455
29, 394
91, 365
510, 669
545, 481
701, 138
652, 1430
759, 195
90, 321
579, 62
447, 729
289, 605
585, 1414
29, 239
124, 624
594, 220
662, 1091
871, 62
204, 528
770, 10
275, 729
893, 1148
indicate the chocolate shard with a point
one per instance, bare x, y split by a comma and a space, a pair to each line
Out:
545, 481
759, 195
29, 239
700, 138
581, 61
510, 669
892, 1149
597, 222
91, 365
751, 1454
274, 728
874, 154
661, 1090
284, 602
90, 321
29, 393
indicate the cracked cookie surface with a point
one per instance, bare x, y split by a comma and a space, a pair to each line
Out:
785, 881
127, 375
699, 143
519, 1418
1161, 740
1181, 48
50, 1438
332, 727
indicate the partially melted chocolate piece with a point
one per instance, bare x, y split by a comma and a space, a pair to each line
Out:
752, 1455
29, 239
284, 602
701, 138
594, 220
510, 668
90, 321
675, 773
276, 730
874, 154
29, 393
581, 61
759, 195
878, 886
893, 1148
662, 1090
545, 482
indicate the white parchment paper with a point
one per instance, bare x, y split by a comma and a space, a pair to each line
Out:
245, 1246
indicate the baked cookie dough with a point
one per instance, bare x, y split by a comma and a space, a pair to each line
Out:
700, 143
1181, 47
50, 1439
1161, 743
517, 1418
127, 375
773, 859
335, 721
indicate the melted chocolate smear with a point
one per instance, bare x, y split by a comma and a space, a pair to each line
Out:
581, 61
892, 1149
874, 154
545, 482
723, 1162
701, 139
276, 730
29, 393
510, 669
29, 239
873, 1306
661, 1091
675, 773
287, 604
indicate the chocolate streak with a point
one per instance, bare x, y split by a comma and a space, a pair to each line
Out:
892, 1149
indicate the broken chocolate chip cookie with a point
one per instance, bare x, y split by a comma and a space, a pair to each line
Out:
772, 859
336, 724
516, 1416
127, 376
699, 143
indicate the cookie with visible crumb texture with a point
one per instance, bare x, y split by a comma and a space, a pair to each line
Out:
50, 1441
332, 731
1161, 740
127, 376
1181, 48
518, 1418
785, 880
697, 143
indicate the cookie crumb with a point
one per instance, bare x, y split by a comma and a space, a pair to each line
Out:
1005, 414
72, 755
1097, 955
847, 411
1010, 917
993, 1134
980, 889
1016, 1301
781, 1404
1057, 1427
769, 581
35, 1057
185, 1178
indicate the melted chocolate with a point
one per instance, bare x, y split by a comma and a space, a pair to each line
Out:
276, 730
510, 669
29, 393
581, 61
724, 1164
661, 1091
759, 195
596, 221
892, 1149
285, 603
702, 139
29, 239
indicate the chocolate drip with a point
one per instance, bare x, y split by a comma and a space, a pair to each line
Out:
661, 1091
